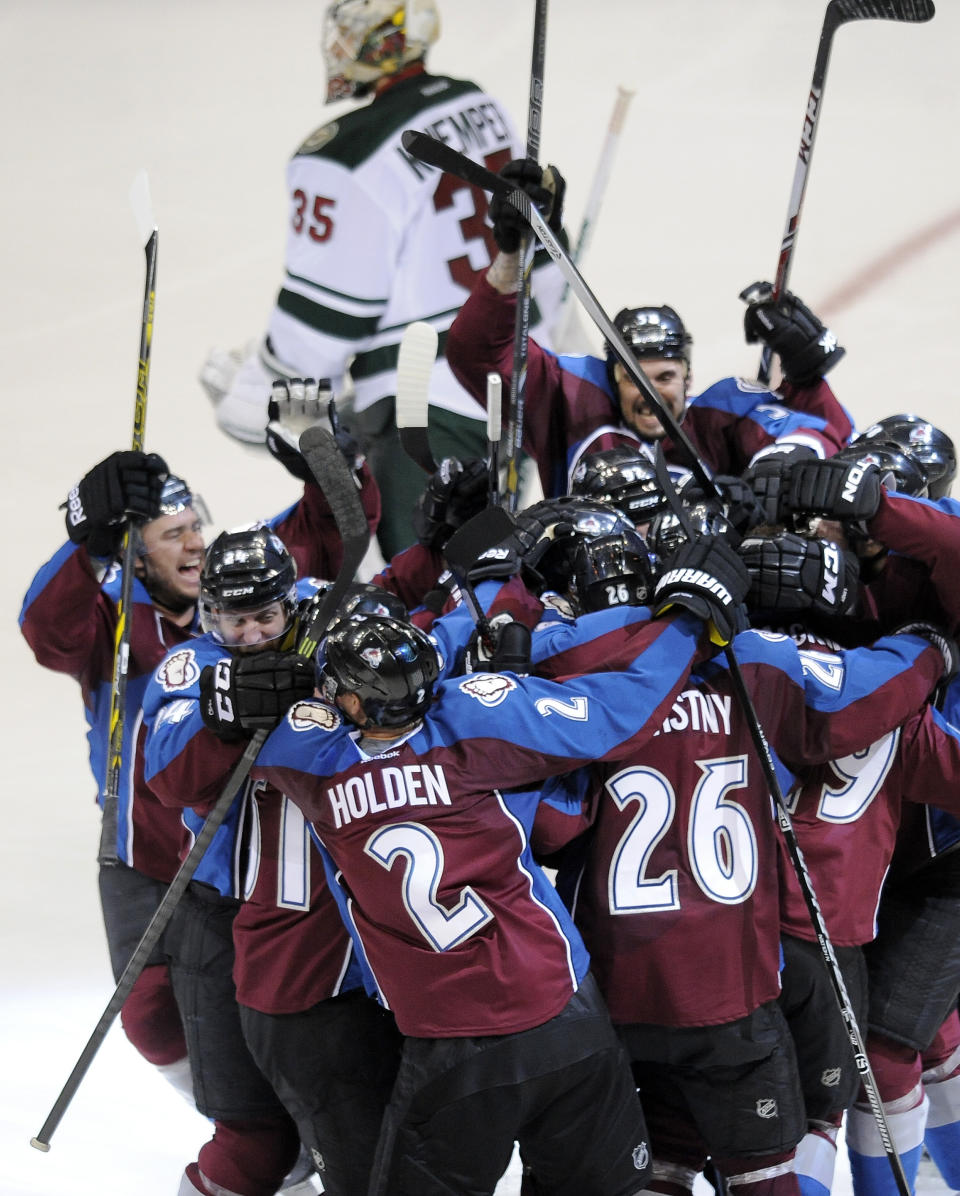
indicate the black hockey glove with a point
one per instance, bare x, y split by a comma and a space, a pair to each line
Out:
708, 578
944, 643
296, 405
546, 189
789, 572
842, 490
767, 477
510, 652
124, 483
243, 694
806, 347
455, 493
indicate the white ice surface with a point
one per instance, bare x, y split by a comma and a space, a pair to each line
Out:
211, 97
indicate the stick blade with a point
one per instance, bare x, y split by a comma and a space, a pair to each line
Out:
489, 527
142, 207
910, 11
418, 352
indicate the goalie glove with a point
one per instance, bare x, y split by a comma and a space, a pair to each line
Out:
243, 694
806, 347
295, 405
125, 483
707, 577
789, 572
455, 493
545, 187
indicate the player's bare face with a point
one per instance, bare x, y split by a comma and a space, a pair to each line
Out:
669, 378
173, 558
247, 631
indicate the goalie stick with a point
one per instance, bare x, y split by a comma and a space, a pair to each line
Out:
521, 329
839, 12
335, 478
146, 226
444, 157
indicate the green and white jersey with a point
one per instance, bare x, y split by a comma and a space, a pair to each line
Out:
377, 240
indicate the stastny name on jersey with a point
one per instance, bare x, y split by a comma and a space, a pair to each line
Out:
390, 788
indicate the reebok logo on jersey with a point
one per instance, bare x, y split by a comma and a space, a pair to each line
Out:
696, 577
311, 716
179, 671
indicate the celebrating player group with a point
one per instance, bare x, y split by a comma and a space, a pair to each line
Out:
613, 821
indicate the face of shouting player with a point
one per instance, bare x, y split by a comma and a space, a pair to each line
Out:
670, 379
247, 631
171, 561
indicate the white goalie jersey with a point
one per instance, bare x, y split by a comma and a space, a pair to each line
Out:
376, 240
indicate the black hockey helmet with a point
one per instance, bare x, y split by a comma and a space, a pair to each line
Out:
623, 477
246, 570
927, 444
707, 517
555, 527
390, 665
897, 467
652, 332
611, 571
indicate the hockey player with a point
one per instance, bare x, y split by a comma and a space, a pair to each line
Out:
376, 240
576, 405
329, 1052
506, 1037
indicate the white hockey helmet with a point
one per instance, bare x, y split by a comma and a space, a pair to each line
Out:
365, 40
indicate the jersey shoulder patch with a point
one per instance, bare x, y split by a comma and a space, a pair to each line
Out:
179, 671
312, 716
490, 689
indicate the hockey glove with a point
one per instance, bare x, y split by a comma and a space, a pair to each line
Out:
767, 477
789, 572
510, 652
842, 490
243, 694
708, 578
296, 405
806, 347
125, 483
455, 493
945, 644
546, 189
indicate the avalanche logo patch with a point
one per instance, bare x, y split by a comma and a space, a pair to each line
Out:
179, 671
310, 716
373, 657
488, 688
554, 601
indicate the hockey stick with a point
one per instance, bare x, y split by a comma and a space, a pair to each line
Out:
785, 822
591, 212
146, 226
486, 529
494, 393
335, 478
521, 330
839, 12
444, 157
418, 351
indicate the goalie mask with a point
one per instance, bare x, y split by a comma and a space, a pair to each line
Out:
624, 478
931, 448
389, 664
612, 571
247, 574
367, 40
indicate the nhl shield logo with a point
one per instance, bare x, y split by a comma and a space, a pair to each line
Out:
767, 1108
831, 1077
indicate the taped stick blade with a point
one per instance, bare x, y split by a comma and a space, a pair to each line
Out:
911, 11
418, 352
142, 207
